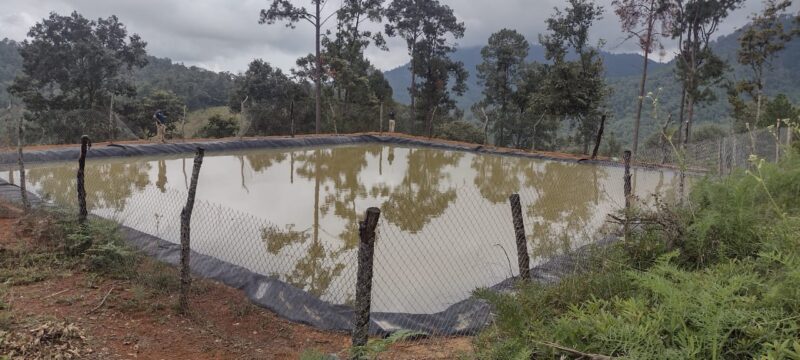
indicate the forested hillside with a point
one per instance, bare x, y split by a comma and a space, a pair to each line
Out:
199, 88
782, 78
617, 65
623, 73
10, 63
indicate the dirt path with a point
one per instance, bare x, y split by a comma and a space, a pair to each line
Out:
138, 319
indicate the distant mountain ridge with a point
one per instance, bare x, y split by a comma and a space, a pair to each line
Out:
199, 87
623, 74
617, 65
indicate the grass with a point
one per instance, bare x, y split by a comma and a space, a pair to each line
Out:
57, 246
718, 278
195, 120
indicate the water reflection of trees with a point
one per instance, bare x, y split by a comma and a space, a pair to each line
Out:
497, 176
335, 173
420, 196
108, 184
565, 202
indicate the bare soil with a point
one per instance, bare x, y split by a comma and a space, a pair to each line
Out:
129, 319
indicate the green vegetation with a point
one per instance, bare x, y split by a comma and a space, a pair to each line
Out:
716, 279
460, 131
59, 245
195, 120
547, 96
220, 127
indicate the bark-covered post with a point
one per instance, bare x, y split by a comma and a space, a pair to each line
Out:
626, 157
26, 205
720, 157
380, 120
523, 260
86, 144
291, 116
777, 140
599, 137
186, 219
366, 252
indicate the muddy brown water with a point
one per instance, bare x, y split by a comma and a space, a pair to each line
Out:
445, 227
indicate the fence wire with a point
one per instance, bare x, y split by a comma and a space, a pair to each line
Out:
428, 261
721, 155
424, 264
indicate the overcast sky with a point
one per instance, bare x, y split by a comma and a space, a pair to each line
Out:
225, 34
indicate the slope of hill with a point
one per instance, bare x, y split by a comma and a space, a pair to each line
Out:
623, 73
10, 64
200, 88
617, 65
782, 78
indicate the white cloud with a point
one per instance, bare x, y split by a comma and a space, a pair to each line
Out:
225, 35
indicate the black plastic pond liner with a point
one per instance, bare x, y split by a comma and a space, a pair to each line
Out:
120, 150
463, 318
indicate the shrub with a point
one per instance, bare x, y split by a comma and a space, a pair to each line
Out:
460, 131
717, 279
220, 127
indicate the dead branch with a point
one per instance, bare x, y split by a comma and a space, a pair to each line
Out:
101, 301
581, 355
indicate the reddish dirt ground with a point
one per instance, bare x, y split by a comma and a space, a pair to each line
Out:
138, 323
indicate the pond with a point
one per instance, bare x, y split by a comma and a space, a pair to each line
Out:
445, 226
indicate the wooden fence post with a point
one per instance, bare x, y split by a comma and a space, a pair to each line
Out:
26, 205
778, 140
366, 252
186, 219
523, 260
721, 159
86, 144
626, 157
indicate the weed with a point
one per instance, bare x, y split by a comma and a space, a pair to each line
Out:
375, 347
715, 279
240, 309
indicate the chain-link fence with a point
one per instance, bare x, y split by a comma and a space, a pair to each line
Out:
434, 247
436, 242
721, 155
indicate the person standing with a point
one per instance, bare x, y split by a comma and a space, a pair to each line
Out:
161, 125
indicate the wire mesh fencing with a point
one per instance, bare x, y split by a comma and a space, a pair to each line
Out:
437, 240
721, 155
433, 249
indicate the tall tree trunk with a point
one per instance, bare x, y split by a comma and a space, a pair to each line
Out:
599, 137
430, 122
413, 92
681, 115
641, 101
413, 89
111, 124
26, 205
760, 96
318, 77
689, 116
